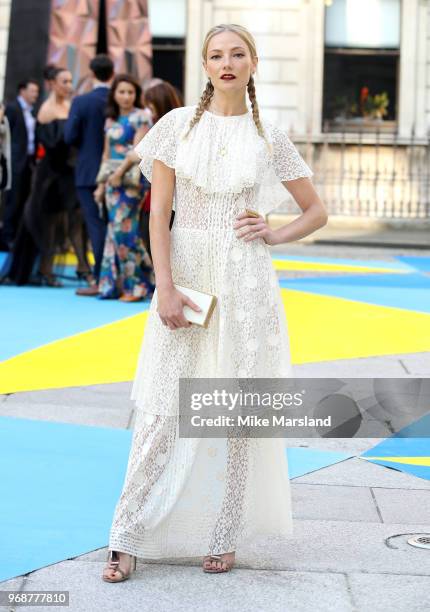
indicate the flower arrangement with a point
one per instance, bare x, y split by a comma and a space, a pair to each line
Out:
371, 107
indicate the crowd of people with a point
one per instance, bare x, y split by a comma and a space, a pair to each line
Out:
70, 177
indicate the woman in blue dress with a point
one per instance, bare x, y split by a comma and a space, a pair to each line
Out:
127, 271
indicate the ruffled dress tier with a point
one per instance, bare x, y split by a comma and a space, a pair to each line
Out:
196, 496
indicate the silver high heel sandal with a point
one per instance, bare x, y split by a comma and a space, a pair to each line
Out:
113, 563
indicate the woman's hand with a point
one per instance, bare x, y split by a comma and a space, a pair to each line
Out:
132, 157
170, 308
115, 179
250, 228
99, 194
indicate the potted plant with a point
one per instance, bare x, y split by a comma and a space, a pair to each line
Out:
371, 107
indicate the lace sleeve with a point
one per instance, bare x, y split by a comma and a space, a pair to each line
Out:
159, 143
287, 161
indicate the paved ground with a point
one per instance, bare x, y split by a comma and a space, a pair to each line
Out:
365, 232
349, 552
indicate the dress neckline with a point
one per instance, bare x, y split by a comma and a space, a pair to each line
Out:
227, 116
130, 113
52, 121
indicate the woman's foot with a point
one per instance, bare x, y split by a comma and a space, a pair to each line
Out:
91, 291
216, 564
130, 298
119, 567
47, 280
87, 276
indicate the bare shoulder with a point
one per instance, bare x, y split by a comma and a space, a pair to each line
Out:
46, 112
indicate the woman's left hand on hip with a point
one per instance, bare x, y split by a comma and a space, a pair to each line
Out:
250, 228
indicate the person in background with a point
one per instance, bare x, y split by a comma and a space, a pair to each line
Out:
22, 123
5, 165
48, 78
5, 151
159, 97
85, 129
53, 204
127, 271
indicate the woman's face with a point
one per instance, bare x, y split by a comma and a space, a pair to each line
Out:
228, 54
63, 84
125, 95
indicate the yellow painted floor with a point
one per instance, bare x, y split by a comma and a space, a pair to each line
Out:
320, 327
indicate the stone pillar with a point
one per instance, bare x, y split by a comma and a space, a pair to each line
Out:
287, 33
414, 108
4, 36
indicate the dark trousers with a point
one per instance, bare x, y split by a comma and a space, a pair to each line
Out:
15, 199
19, 263
96, 226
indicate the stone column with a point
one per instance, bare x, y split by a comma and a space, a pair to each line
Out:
4, 36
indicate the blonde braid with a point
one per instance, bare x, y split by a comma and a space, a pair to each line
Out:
254, 106
255, 110
202, 105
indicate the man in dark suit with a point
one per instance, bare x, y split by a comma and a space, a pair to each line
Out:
22, 122
85, 129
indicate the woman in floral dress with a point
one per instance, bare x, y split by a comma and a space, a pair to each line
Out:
126, 271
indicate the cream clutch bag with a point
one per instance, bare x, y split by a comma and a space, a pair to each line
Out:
206, 301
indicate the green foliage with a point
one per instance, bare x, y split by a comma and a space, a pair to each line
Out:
369, 107
375, 107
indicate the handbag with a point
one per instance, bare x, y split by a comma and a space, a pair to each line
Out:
132, 178
206, 301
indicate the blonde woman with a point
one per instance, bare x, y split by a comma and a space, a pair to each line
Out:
186, 497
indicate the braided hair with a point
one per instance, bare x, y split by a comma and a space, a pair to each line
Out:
202, 105
254, 106
208, 92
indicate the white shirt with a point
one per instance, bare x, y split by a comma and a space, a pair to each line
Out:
30, 124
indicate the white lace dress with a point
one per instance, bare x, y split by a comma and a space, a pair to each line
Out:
195, 496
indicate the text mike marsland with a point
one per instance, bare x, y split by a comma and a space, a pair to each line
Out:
276, 420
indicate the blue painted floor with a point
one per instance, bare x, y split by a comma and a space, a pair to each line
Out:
419, 263
33, 316
59, 484
408, 291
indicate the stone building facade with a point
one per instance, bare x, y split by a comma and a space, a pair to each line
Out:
319, 60
363, 167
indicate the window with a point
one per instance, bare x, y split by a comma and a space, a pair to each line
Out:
167, 24
361, 64
168, 60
